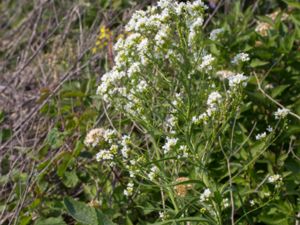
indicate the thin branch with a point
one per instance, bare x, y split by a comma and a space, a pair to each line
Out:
272, 99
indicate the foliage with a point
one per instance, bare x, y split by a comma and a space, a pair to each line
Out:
181, 136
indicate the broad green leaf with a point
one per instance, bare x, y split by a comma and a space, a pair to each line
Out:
81, 212
293, 4
85, 214
257, 63
64, 164
70, 179
187, 219
50, 221
278, 90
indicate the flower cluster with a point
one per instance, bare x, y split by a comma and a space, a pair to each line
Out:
205, 195
263, 27
281, 113
171, 142
213, 101
241, 57
214, 34
129, 189
94, 137
260, 136
274, 178
153, 173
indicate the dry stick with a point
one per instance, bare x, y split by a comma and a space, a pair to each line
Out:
21, 202
213, 13
291, 150
34, 112
34, 54
272, 99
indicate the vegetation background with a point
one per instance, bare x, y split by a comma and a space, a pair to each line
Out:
52, 56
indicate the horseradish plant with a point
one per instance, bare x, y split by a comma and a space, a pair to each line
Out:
183, 97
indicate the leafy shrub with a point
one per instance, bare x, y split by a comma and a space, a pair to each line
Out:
179, 136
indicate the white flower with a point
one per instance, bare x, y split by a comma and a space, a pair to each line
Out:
104, 155
214, 98
124, 151
129, 189
281, 113
269, 129
94, 137
274, 178
206, 62
164, 3
162, 35
153, 173
202, 117
205, 195
184, 151
224, 74
210, 112
135, 68
171, 142
225, 202
237, 79
260, 136
215, 33
252, 202
143, 46
241, 57
109, 135
162, 215
171, 121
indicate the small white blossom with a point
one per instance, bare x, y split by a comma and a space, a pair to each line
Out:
274, 178
129, 189
205, 195
104, 155
241, 57
225, 203
281, 113
237, 79
153, 173
171, 142
183, 151
215, 33
162, 215
224, 74
201, 118
260, 136
109, 135
252, 202
94, 137
269, 129
206, 62
214, 98
135, 68
142, 86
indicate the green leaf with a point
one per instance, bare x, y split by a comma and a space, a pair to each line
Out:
187, 219
292, 4
64, 165
278, 90
70, 179
257, 63
85, 214
50, 221
81, 212
55, 138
